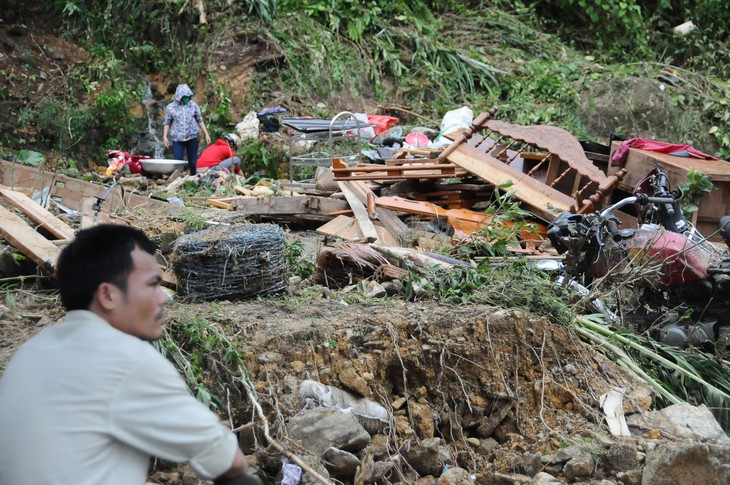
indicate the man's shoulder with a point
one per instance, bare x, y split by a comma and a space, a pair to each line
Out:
83, 329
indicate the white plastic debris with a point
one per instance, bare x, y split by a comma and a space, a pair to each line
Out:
292, 474
249, 127
612, 403
371, 415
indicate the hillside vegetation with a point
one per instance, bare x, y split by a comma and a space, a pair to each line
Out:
594, 67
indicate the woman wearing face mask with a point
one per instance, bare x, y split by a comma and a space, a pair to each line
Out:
183, 122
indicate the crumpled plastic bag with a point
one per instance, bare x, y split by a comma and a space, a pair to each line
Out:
292, 474
249, 127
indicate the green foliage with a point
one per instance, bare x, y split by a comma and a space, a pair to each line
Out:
296, 261
193, 219
697, 185
617, 26
221, 118
197, 347
256, 156
29, 157
515, 285
56, 122
506, 227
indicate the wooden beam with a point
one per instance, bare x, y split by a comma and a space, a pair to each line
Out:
361, 214
20, 235
544, 201
387, 217
36, 212
288, 205
347, 228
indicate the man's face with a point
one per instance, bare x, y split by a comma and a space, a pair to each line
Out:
139, 310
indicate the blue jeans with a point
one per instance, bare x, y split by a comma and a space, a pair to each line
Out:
229, 163
191, 146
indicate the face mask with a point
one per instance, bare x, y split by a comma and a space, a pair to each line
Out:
185, 100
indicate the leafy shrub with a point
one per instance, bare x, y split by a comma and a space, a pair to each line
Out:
255, 156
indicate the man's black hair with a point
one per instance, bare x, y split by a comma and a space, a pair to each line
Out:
100, 254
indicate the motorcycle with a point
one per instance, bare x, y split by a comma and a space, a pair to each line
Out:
662, 277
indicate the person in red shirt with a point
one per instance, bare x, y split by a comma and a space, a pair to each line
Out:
221, 155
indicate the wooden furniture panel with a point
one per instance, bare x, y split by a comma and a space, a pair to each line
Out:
712, 207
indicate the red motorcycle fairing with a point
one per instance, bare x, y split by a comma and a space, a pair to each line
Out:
682, 261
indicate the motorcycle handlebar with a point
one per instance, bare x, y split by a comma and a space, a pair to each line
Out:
642, 199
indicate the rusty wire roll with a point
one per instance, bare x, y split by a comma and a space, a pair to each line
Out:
230, 262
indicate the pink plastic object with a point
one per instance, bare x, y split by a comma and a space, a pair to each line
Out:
417, 139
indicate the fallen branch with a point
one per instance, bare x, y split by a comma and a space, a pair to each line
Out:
272, 441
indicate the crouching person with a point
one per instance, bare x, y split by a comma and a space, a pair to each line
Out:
221, 155
89, 400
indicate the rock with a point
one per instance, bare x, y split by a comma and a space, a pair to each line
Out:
317, 466
341, 463
298, 366
378, 471
320, 428
486, 446
488, 423
530, 464
676, 463
580, 466
506, 428
543, 478
631, 477
562, 455
373, 289
269, 357
455, 476
445, 457
422, 456
508, 479
422, 420
620, 457
394, 287
379, 446
353, 382
398, 403
684, 420
427, 480
370, 414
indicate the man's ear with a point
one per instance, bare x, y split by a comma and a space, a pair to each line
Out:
107, 296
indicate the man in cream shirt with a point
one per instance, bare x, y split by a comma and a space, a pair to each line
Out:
89, 400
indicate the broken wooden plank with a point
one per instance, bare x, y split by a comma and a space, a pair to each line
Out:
342, 171
462, 220
69, 190
288, 205
347, 228
388, 218
361, 213
220, 204
20, 235
36, 212
544, 201
401, 161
